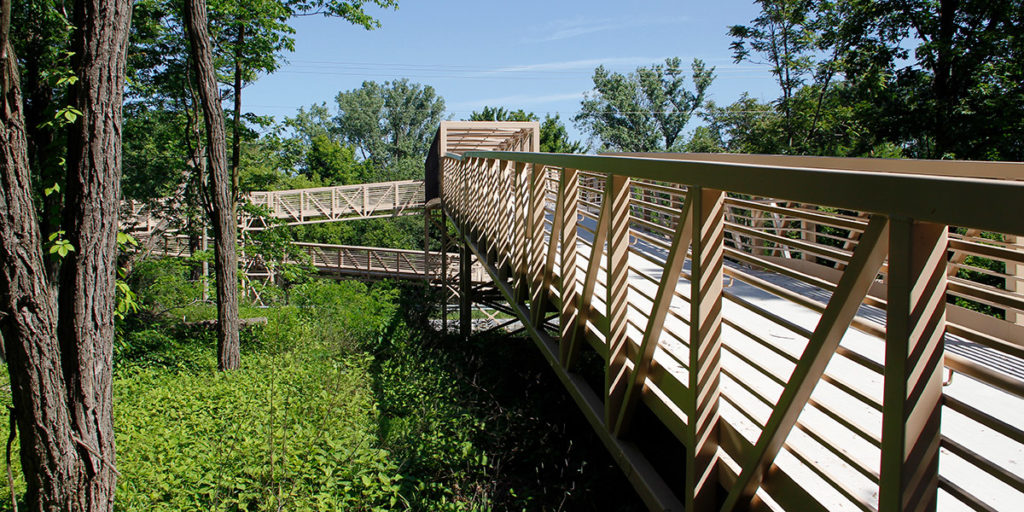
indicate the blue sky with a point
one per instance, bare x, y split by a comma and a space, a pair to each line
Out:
535, 55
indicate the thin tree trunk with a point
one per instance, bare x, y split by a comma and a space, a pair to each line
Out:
225, 224
90, 221
236, 132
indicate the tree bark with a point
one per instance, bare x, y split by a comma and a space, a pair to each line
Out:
225, 223
90, 221
61, 389
28, 317
236, 132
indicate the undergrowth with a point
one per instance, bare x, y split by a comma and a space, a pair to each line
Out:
344, 402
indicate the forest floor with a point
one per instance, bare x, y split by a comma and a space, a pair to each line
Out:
344, 401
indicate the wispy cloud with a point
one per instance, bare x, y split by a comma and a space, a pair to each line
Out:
567, 29
513, 101
588, 64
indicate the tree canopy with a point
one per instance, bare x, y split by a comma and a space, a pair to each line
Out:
646, 110
554, 138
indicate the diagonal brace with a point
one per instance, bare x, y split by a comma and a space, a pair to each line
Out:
842, 308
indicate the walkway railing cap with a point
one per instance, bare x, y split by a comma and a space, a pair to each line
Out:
989, 204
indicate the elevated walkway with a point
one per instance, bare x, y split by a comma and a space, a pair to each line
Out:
298, 206
344, 261
794, 326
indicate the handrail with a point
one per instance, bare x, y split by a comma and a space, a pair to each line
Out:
980, 203
363, 247
831, 281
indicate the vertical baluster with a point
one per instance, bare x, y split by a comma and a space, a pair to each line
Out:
535, 233
617, 292
706, 274
1015, 272
520, 218
912, 396
568, 319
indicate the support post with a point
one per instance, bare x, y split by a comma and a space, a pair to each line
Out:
465, 291
444, 272
706, 275
569, 317
616, 375
535, 233
912, 392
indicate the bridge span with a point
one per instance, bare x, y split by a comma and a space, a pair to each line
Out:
298, 206
344, 261
761, 332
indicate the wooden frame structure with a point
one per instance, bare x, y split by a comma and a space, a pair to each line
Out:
786, 321
331, 260
306, 205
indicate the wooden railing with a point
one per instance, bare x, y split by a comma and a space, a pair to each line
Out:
789, 325
298, 206
328, 204
349, 260
332, 260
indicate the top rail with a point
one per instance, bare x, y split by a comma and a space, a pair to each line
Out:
988, 204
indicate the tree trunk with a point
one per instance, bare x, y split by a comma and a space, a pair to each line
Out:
90, 222
942, 86
225, 224
61, 389
28, 317
236, 132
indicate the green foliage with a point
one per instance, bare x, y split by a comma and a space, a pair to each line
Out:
293, 430
555, 139
390, 123
646, 110
501, 114
924, 80
163, 284
59, 245
342, 405
330, 162
553, 136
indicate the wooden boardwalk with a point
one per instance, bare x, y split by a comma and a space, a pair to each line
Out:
344, 261
299, 206
792, 324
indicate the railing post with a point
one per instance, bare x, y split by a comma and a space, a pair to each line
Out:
519, 250
568, 317
366, 201
912, 395
1014, 274
465, 291
706, 275
808, 234
535, 233
617, 287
